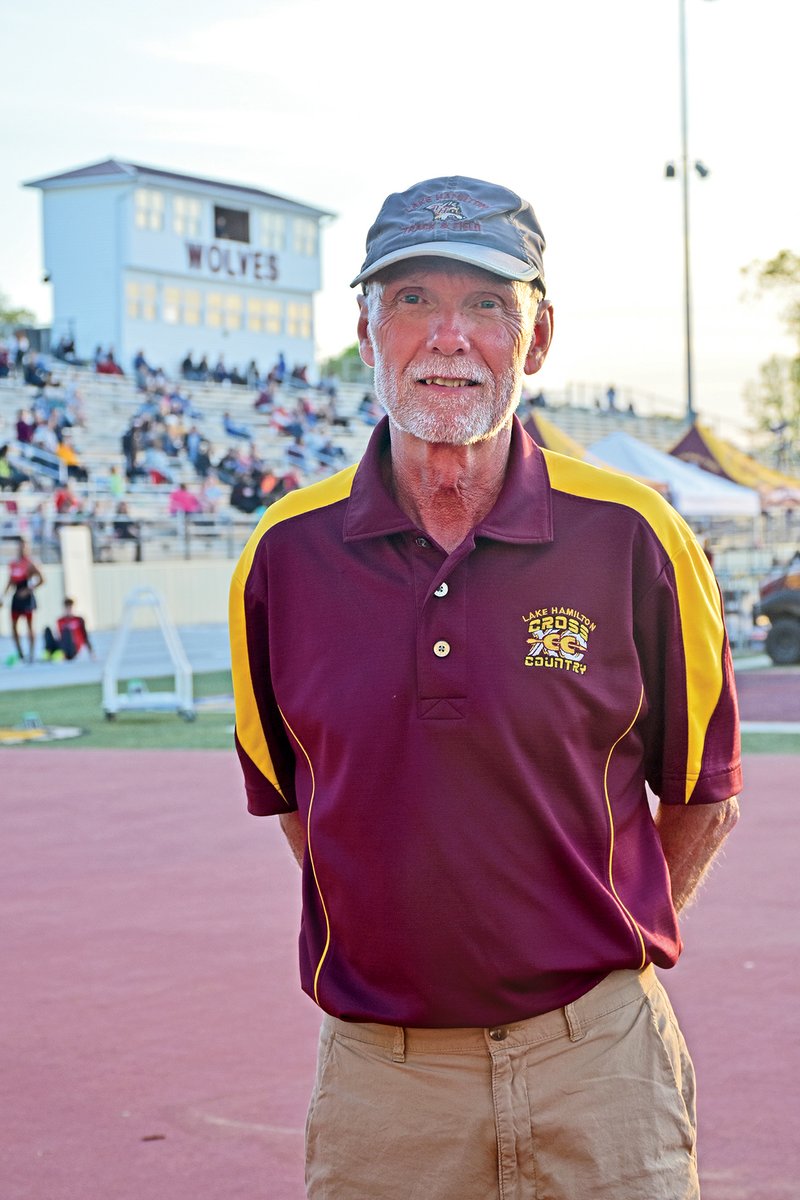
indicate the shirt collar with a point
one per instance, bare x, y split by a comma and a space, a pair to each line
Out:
522, 512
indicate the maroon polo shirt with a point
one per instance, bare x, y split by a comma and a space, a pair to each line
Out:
467, 737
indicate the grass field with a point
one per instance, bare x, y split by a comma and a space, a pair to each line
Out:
212, 730
81, 705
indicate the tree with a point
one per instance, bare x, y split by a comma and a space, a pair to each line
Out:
347, 366
774, 402
14, 317
774, 405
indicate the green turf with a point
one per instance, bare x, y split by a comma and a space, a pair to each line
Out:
82, 705
771, 743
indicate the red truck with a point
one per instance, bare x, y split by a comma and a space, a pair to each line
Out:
779, 603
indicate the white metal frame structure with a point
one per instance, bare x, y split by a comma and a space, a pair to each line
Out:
181, 699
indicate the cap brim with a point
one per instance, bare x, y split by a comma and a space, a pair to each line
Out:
504, 265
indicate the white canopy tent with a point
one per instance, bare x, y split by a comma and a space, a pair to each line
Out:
692, 491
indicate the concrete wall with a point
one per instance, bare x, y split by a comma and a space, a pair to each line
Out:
196, 593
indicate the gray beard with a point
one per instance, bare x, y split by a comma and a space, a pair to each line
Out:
472, 415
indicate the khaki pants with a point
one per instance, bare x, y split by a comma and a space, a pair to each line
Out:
591, 1102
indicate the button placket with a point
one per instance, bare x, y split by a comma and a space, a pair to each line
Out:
441, 631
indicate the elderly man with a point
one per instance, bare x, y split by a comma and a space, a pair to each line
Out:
457, 667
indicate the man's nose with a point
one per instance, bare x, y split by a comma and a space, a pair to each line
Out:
448, 333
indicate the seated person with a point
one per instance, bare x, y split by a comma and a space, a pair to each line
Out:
181, 500
72, 634
246, 493
10, 476
233, 429
109, 365
33, 374
126, 529
66, 503
75, 468
25, 427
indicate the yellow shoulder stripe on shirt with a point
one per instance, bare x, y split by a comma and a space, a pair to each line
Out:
702, 626
248, 721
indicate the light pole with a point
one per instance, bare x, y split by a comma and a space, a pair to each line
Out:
702, 171
687, 281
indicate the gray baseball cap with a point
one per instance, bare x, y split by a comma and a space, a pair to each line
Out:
468, 220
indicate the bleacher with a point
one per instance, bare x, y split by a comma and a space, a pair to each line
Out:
110, 403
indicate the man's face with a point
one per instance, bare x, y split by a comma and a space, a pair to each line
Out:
450, 344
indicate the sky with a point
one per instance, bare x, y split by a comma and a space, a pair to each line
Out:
575, 104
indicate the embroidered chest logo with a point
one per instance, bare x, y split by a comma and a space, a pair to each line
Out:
558, 638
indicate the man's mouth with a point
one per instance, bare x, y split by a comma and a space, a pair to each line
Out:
440, 381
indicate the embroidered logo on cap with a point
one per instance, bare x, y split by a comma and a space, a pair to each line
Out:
558, 638
446, 210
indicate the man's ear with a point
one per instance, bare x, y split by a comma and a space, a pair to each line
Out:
364, 340
540, 342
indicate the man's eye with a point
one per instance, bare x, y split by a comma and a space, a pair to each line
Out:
487, 304
410, 298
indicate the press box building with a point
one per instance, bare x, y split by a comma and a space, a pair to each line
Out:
152, 260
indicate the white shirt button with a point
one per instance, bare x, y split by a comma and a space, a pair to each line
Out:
441, 649
421, 541
442, 590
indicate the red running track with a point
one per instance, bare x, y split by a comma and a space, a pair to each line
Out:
157, 1045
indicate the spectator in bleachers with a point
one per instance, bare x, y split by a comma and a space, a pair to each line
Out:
220, 372
286, 422
264, 400
65, 501
116, 482
25, 427
191, 444
34, 373
65, 350
369, 410
182, 500
126, 529
278, 372
228, 466
328, 454
252, 377
250, 459
69, 456
233, 429
132, 443
156, 463
21, 347
5, 361
45, 435
296, 455
202, 461
107, 364
299, 376
246, 493
10, 476
142, 370
235, 377
74, 407
211, 494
